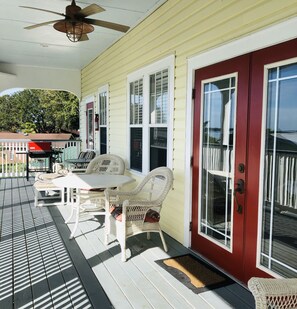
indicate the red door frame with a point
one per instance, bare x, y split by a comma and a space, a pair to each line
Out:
260, 58
213, 252
243, 265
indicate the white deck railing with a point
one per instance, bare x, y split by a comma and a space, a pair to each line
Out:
13, 155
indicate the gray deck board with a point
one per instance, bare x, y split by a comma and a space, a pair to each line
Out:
36, 270
41, 268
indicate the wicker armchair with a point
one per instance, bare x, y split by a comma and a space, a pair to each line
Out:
94, 200
274, 293
81, 167
137, 211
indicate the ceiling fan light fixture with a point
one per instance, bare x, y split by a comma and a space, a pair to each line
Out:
73, 29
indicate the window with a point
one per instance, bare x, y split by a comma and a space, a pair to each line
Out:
90, 126
102, 111
150, 123
279, 157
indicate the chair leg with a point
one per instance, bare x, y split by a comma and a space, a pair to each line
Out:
63, 196
71, 213
77, 208
148, 235
163, 241
76, 204
123, 251
35, 197
106, 231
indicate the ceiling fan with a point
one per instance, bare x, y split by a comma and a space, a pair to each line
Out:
75, 24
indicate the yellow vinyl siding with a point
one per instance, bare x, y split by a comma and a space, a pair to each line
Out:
182, 28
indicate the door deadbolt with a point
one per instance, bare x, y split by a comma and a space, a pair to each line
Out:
241, 168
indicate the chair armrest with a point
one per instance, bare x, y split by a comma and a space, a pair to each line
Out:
78, 170
118, 196
274, 293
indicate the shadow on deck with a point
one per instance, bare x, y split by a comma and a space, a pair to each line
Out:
41, 268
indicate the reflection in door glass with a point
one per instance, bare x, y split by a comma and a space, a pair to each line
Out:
217, 160
279, 200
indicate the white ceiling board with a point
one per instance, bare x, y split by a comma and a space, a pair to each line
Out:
47, 47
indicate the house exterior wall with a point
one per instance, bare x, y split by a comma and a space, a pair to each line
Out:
181, 28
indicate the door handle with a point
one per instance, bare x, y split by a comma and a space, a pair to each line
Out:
240, 186
240, 190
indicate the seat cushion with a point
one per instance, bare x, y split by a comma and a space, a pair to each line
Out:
151, 216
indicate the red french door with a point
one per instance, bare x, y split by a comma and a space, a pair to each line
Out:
219, 162
231, 196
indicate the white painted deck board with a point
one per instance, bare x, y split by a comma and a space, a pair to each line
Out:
156, 285
138, 283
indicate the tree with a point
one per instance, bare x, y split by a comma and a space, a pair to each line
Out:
39, 111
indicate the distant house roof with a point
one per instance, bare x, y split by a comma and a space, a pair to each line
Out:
37, 136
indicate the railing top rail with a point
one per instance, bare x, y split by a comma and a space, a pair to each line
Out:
39, 140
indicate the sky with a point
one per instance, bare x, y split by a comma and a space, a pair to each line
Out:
10, 91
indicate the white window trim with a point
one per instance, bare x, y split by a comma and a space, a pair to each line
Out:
275, 34
102, 89
83, 119
144, 73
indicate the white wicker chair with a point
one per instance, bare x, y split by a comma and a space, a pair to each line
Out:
138, 210
94, 200
274, 293
45, 190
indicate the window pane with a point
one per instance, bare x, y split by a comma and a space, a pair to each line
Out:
136, 149
102, 108
217, 160
158, 147
90, 129
103, 141
279, 200
136, 102
159, 97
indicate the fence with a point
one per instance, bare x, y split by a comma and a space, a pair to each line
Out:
13, 155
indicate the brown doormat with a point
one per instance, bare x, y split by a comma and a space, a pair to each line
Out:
194, 273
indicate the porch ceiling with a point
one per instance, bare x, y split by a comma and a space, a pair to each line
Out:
45, 47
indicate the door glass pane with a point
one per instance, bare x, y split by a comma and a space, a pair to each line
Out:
90, 129
279, 200
102, 108
217, 160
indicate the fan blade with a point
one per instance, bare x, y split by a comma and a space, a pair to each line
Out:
107, 24
42, 24
84, 37
90, 10
48, 11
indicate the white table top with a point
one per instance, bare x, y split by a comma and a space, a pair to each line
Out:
92, 181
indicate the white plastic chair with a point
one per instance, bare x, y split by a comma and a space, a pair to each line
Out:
94, 200
137, 211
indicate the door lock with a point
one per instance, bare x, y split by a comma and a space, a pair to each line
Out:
240, 190
240, 186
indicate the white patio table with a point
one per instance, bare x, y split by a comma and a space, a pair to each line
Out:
76, 182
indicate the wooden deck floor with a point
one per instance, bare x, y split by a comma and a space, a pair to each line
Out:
41, 268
